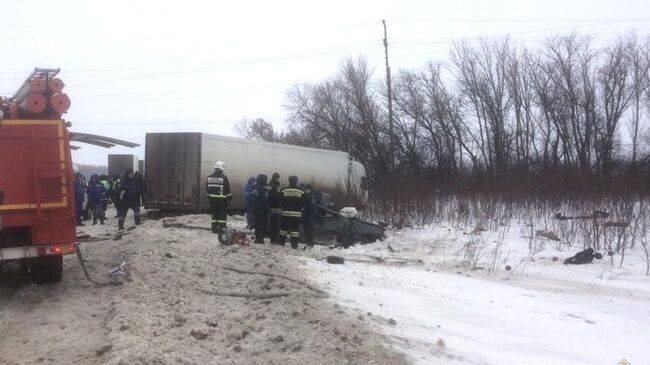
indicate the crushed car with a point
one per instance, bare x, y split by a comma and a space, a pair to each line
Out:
344, 227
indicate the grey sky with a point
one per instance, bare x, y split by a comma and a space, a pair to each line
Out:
133, 67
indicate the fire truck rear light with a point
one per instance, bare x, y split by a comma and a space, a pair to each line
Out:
62, 249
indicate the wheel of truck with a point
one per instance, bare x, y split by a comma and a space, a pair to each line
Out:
47, 269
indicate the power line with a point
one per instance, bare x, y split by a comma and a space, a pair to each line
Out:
118, 98
136, 65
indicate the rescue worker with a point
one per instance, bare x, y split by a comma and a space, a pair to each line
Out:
115, 195
96, 195
260, 207
139, 186
87, 209
79, 195
103, 179
128, 199
309, 214
292, 202
276, 207
250, 216
218, 188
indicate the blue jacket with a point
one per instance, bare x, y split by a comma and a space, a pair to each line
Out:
96, 190
247, 192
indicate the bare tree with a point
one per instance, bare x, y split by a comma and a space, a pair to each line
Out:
257, 129
569, 65
343, 113
639, 64
481, 77
520, 89
615, 94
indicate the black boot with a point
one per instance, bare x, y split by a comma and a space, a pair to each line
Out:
120, 223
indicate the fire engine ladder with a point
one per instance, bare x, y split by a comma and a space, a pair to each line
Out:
38, 73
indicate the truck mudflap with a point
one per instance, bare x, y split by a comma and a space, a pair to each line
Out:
15, 253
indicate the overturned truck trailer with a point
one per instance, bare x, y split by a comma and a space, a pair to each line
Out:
178, 164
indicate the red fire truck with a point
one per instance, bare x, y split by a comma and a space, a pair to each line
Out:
37, 216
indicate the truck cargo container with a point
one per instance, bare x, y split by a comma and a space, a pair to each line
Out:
117, 164
177, 165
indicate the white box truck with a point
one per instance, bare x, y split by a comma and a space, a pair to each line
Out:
177, 165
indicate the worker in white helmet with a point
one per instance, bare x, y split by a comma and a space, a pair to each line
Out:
218, 188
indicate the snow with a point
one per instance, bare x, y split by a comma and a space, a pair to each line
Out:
545, 313
414, 297
174, 307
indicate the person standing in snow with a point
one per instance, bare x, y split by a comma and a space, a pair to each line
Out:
103, 179
96, 195
114, 194
139, 186
218, 189
260, 207
293, 202
128, 199
250, 216
276, 207
308, 215
79, 195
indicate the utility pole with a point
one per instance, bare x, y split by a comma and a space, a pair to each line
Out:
389, 87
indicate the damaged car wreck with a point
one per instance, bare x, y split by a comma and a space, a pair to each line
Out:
344, 227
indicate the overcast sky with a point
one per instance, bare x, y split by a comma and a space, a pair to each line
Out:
133, 67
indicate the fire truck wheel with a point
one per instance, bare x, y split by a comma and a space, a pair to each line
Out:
48, 269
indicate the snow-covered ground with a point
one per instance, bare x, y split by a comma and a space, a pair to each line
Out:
182, 301
541, 312
437, 294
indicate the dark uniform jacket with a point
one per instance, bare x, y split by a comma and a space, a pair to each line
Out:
260, 198
138, 179
310, 203
218, 185
128, 191
274, 197
292, 201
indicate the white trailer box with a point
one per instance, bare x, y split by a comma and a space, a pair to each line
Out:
177, 165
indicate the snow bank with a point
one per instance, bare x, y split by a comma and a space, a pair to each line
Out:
541, 312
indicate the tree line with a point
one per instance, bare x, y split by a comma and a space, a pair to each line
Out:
495, 114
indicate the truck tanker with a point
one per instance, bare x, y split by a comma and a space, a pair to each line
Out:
178, 164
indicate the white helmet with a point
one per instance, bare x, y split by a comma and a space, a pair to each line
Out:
220, 165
